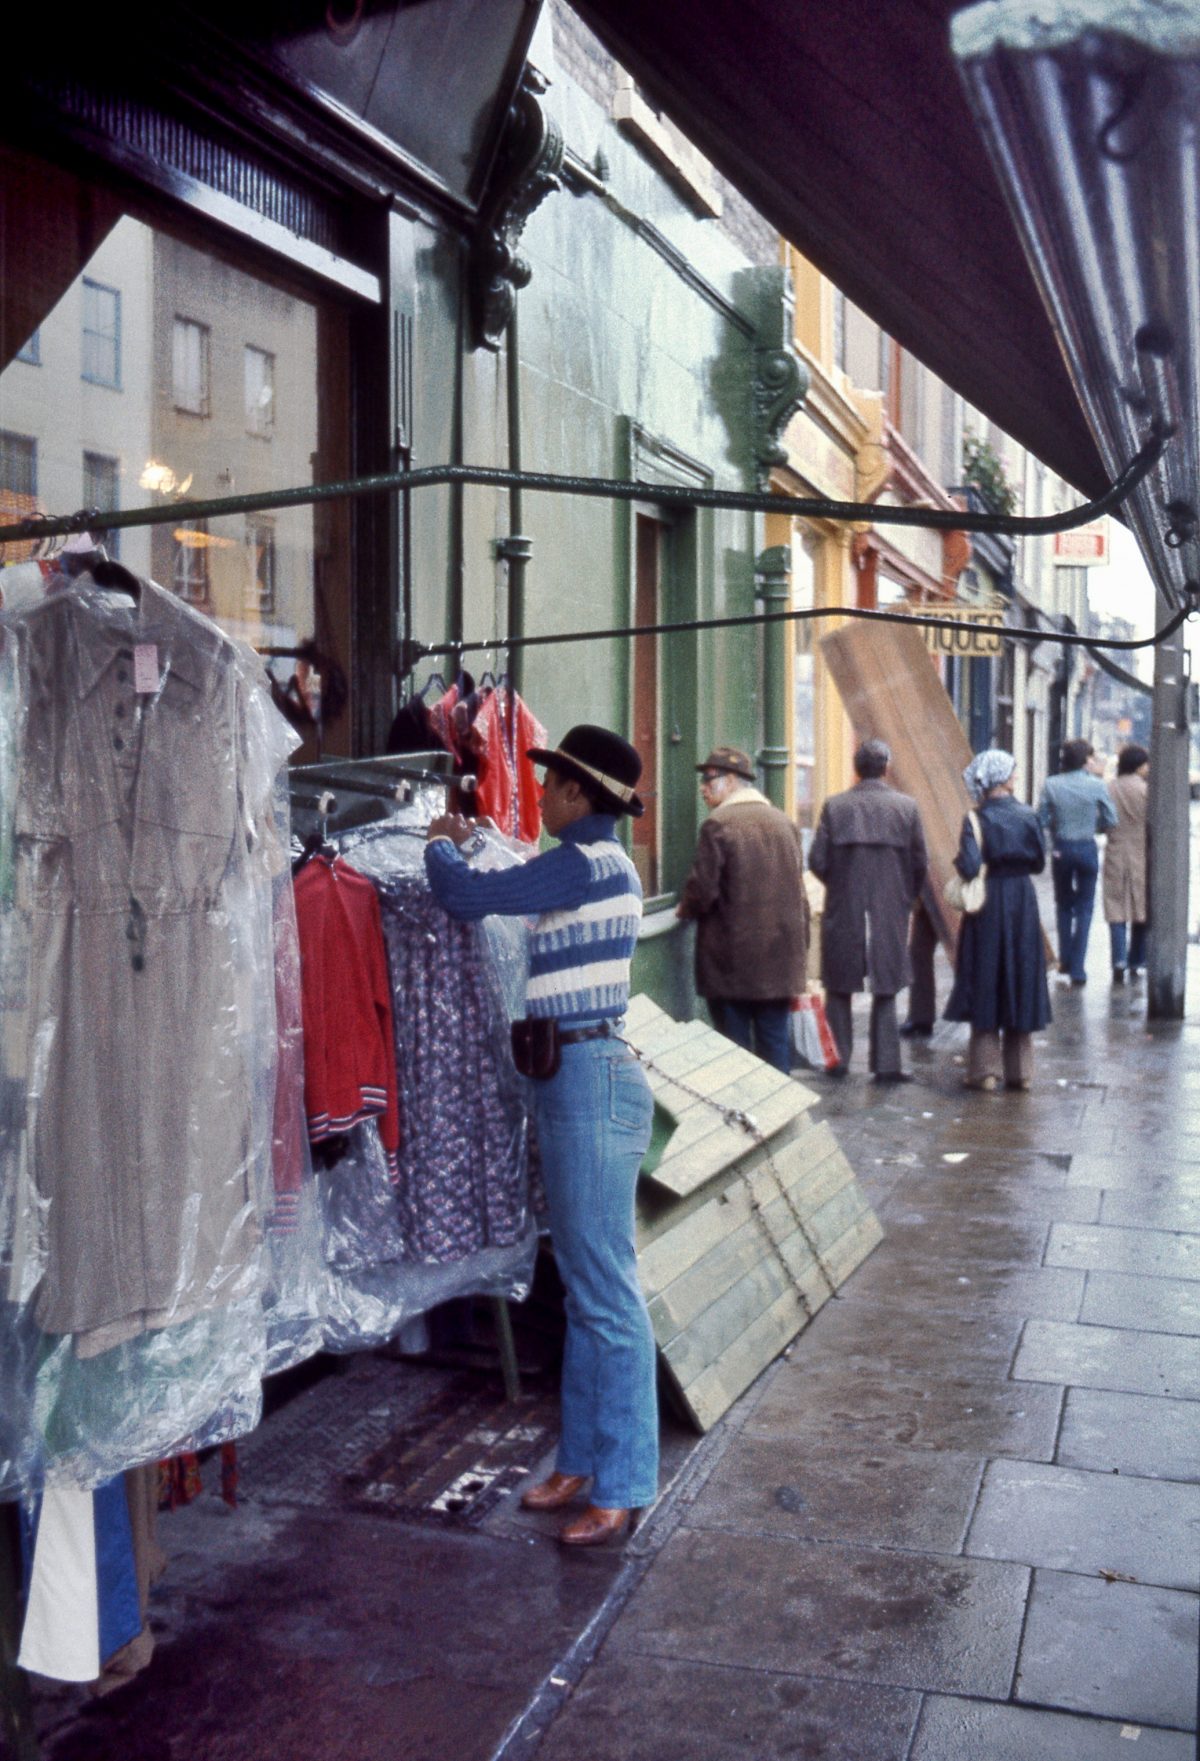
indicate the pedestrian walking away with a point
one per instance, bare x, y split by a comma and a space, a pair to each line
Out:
746, 895
592, 1107
1075, 805
1000, 982
1125, 903
869, 850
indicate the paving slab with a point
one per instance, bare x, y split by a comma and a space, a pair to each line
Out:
1130, 1434
943, 1194
1108, 1357
852, 1329
1118, 1651
1069, 1519
1151, 1253
764, 1602
701, 1712
859, 1406
1167, 1207
833, 1492
971, 1284
1149, 1174
965, 1730
961, 1237
1149, 1305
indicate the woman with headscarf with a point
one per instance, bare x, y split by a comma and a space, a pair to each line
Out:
1125, 864
1000, 976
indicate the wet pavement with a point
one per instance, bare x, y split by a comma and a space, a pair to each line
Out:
960, 1521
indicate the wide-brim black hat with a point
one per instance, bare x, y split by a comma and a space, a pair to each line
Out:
603, 759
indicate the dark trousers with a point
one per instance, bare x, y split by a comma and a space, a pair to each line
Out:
883, 1051
1074, 866
922, 946
762, 1028
1119, 937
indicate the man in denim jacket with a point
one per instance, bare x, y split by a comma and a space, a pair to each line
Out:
1075, 805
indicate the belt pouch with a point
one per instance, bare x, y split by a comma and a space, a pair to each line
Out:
536, 1049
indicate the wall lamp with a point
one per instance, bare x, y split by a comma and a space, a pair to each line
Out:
1090, 110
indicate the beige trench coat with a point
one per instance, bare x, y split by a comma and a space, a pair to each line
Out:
1125, 852
141, 867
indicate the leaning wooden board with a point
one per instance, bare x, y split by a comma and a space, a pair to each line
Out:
890, 690
740, 1243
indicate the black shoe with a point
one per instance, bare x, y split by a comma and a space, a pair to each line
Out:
837, 1070
916, 1029
891, 1076
1118, 975
1079, 983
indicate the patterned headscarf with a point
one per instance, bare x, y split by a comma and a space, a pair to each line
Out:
987, 770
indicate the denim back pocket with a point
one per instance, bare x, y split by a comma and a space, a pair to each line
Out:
630, 1102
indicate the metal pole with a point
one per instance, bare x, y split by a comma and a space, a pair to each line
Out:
516, 549
1168, 834
773, 586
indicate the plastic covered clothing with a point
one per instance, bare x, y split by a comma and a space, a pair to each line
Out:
139, 1023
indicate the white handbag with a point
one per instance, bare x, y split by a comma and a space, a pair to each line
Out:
967, 896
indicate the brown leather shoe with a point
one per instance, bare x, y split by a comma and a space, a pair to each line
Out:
595, 1526
553, 1493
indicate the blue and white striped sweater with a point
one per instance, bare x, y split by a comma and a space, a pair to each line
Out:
587, 901
579, 957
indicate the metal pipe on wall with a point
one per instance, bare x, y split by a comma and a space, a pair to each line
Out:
1170, 833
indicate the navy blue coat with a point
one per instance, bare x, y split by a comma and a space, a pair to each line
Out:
1000, 975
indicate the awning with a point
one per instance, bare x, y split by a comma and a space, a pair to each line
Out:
845, 123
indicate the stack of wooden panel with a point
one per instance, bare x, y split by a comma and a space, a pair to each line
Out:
742, 1236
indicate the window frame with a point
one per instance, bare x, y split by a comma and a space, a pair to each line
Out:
113, 503
258, 430
10, 437
89, 285
195, 587
203, 410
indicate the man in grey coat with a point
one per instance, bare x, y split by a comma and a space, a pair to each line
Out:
746, 894
870, 852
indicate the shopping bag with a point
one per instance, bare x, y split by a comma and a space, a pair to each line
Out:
813, 1043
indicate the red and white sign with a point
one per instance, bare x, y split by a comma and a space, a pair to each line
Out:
1086, 547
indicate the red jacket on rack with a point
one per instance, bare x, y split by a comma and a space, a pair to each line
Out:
346, 999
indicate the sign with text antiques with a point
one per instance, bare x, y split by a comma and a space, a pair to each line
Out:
966, 644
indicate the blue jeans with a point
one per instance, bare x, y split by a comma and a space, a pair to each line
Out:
763, 1028
1117, 933
1074, 866
593, 1122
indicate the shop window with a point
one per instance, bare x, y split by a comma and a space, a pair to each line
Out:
259, 379
190, 359
101, 334
189, 306
101, 489
261, 560
31, 351
189, 571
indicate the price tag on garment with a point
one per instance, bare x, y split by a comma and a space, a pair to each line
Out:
145, 668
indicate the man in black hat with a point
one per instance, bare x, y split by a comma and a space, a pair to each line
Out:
746, 894
593, 1110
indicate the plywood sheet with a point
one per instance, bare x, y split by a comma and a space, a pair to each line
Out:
891, 691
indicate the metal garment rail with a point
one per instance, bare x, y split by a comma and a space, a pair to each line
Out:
38, 526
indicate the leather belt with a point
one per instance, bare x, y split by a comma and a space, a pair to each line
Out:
574, 1036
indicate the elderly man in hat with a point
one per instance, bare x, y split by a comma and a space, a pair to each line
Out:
746, 894
593, 1109
870, 852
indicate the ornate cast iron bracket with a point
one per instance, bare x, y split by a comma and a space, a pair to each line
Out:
780, 377
527, 170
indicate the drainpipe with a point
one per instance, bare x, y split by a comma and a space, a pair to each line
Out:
516, 549
1169, 834
773, 586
